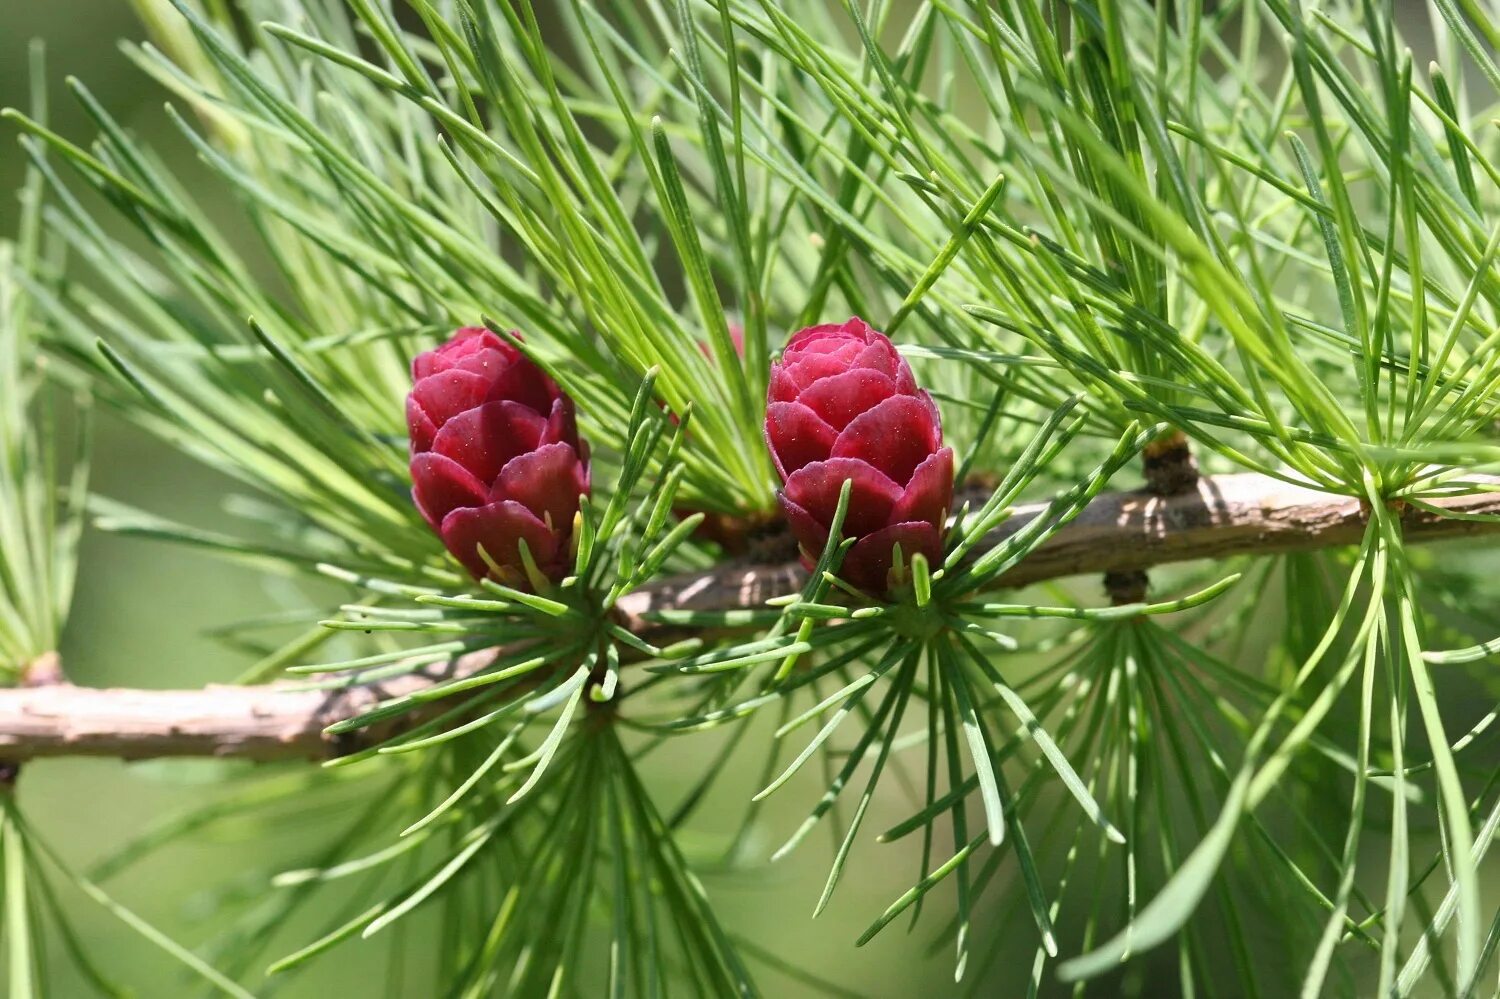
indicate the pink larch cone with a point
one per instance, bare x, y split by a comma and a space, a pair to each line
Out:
843, 404
495, 456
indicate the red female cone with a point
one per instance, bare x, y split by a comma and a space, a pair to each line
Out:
843, 404
495, 457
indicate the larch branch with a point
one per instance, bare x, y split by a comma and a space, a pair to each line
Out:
1246, 514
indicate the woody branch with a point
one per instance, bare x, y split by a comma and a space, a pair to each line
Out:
1245, 514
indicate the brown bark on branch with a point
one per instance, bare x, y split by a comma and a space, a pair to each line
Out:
1117, 532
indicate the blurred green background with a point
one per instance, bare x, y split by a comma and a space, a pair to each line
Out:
141, 617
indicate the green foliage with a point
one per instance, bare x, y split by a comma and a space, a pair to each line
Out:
41, 490
1089, 223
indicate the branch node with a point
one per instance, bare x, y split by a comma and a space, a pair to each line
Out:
1168, 465
756, 537
1127, 587
44, 671
1395, 505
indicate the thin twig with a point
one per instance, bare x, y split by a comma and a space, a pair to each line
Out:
1118, 532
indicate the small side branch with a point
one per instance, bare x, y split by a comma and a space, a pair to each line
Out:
1118, 533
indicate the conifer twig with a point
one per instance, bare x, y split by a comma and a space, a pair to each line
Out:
1246, 514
